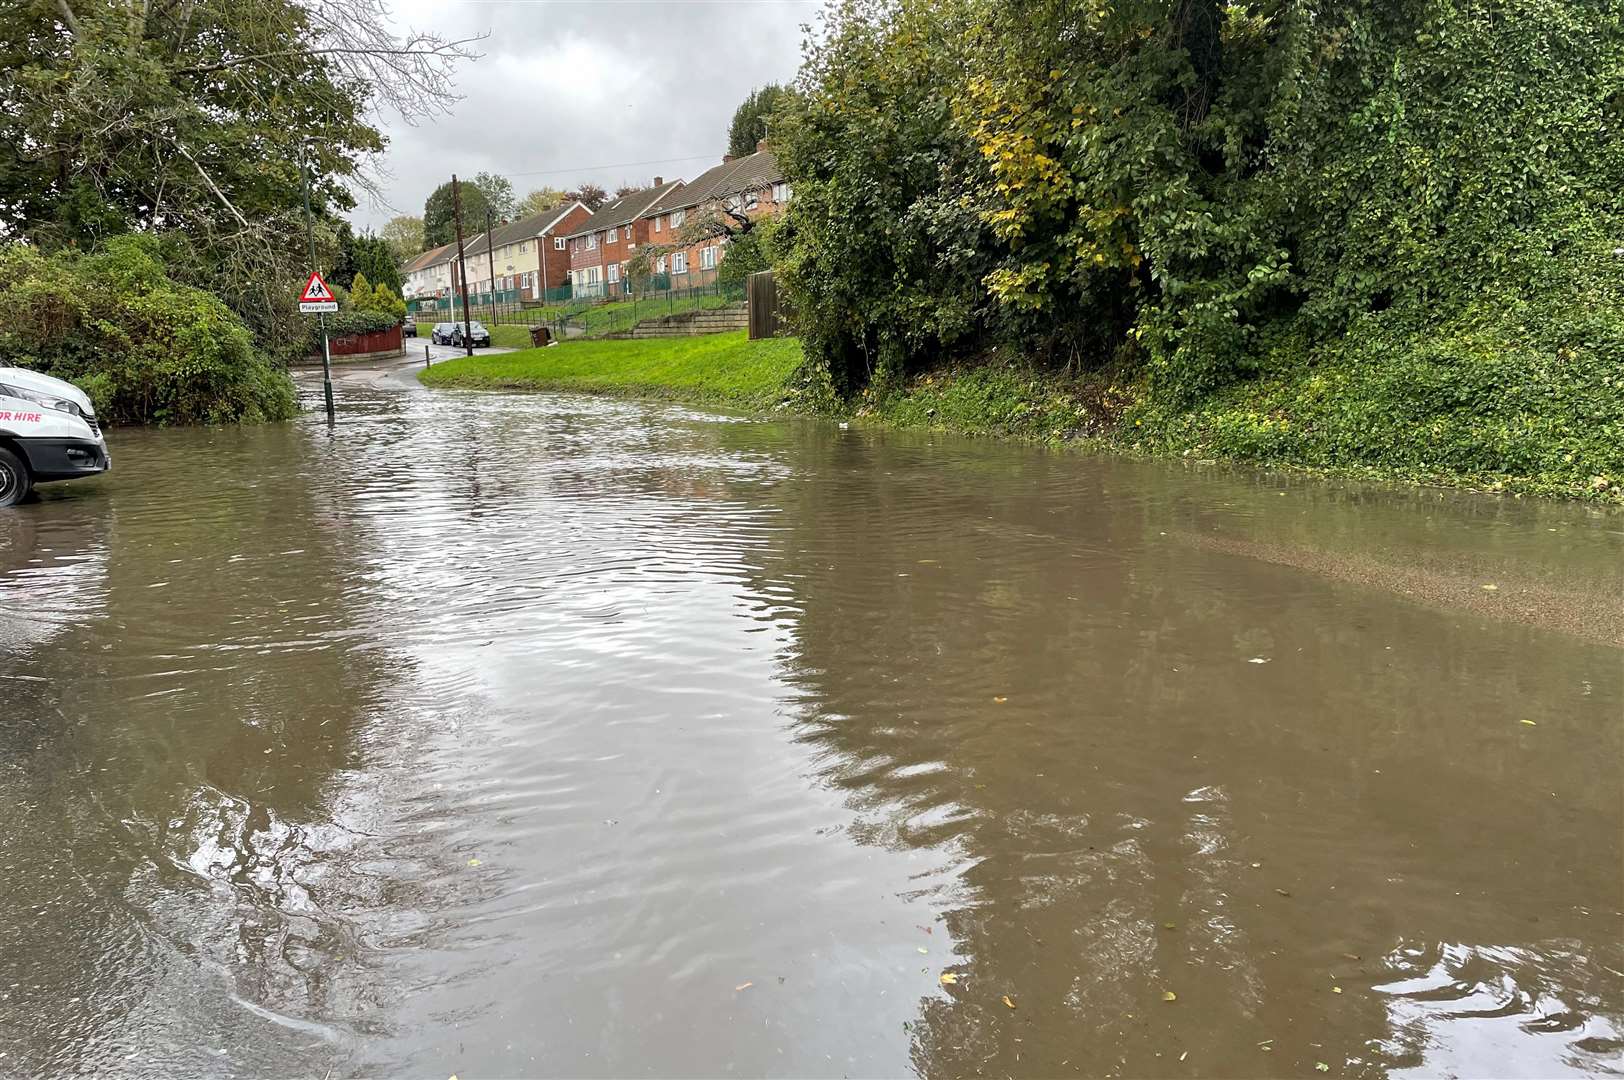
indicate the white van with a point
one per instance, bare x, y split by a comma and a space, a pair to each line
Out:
48, 431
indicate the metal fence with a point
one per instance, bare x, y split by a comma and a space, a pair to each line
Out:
596, 316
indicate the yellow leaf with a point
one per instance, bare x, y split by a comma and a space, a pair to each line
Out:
1491, 587
1530, 723
1009, 1001
473, 862
1336, 989
950, 978
744, 986
1168, 995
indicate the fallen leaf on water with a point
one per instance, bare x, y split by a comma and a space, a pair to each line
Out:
1350, 956
926, 929
473, 862
1258, 660
1336, 989
923, 951
744, 985
1184, 1055
1321, 1066
999, 700
1168, 995
1491, 587
1283, 892
1530, 723
1009, 1001
1170, 926
950, 978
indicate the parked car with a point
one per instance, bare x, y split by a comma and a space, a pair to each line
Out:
441, 334
48, 431
408, 327
480, 336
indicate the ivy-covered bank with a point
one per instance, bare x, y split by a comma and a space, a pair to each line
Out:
1374, 236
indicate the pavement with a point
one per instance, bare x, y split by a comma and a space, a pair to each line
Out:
394, 370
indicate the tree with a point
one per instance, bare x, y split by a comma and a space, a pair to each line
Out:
539, 201
439, 224
191, 120
404, 235
376, 258
498, 192
627, 188
751, 120
591, 195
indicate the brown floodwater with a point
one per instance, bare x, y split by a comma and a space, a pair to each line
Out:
505, 735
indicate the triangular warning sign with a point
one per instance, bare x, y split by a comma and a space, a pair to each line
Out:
315, 290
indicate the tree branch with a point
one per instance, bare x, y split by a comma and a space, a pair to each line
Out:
444, 49
209, 180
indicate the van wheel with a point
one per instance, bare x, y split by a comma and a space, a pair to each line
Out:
15, 482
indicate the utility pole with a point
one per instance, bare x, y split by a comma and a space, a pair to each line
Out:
490, 261
321, 320
462, 266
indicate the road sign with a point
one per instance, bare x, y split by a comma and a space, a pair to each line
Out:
317, 296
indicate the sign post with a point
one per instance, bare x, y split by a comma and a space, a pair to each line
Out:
317, 297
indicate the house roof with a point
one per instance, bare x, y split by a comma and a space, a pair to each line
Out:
751, 172
425, 259
625, 209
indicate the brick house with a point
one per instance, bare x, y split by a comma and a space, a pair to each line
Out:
602, 245
527, 256
427, 275
689, 228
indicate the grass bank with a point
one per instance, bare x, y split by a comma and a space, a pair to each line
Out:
1450, 411
722, 369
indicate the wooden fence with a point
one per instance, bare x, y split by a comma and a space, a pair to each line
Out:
769, 312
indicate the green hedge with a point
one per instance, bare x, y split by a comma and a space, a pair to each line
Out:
146, 349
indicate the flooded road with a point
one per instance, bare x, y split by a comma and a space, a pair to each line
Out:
507, 735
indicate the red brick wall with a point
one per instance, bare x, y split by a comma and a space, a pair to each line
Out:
378, 341
697, 274
558, 262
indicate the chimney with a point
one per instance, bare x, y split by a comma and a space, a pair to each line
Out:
761, 144
658, 181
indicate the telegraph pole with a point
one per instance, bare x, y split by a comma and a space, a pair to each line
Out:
321, 320
490, 260
462, 266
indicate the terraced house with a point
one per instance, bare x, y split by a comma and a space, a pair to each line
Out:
602, 245
689, 228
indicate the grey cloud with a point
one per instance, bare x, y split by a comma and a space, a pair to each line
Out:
567, 85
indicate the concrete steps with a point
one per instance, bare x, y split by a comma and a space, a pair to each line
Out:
689, 323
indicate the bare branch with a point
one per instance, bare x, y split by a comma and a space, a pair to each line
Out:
209, 180
448, 49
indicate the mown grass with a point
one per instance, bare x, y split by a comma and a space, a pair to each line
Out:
725, 369
614, 317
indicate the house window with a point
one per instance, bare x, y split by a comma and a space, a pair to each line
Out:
707, 258
592, 242
524, 247
659, 222
679, 263
781, 192
678, 217
659, 265
614, 273
558, 243
628, 232
752, 200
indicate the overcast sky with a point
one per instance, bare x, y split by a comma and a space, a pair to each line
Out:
575, 90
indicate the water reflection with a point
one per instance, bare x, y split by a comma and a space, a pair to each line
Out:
532, 736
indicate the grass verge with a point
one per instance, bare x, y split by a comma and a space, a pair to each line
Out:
724, 369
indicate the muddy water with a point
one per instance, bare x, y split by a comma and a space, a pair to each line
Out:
506, 735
